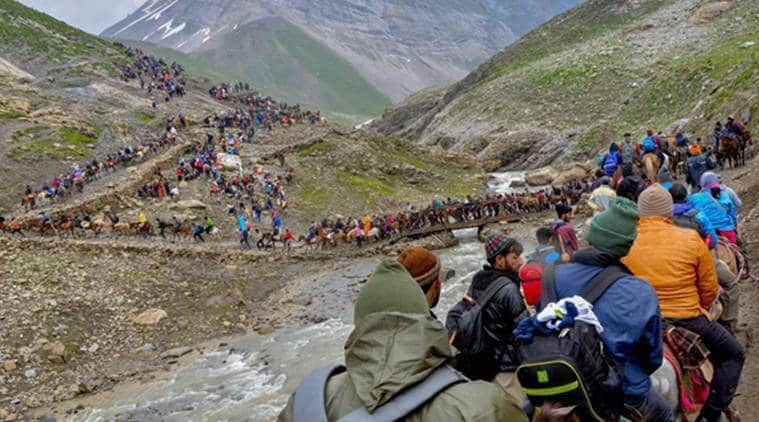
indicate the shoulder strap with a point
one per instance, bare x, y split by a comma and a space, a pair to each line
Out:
309, 401
598, 285
548, 287
491, 291
410, 399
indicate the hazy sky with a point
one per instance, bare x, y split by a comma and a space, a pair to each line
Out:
90, 15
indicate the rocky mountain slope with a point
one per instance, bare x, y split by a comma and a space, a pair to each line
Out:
62, 100
71, 308
571, 86
351, 55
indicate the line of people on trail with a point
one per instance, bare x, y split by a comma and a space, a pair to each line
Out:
154, 75
262, 111
625, 326
65, 184
489, 207
677, 154
222, 90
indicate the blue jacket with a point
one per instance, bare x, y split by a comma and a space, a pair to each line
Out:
629, 313
717, 212
242, 222
612, 160
687, 209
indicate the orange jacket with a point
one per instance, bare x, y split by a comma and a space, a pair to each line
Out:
678, 264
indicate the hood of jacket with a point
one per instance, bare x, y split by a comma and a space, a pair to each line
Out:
482, 279
678, 209
390, 351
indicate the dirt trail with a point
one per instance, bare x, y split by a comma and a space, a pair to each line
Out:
746, 184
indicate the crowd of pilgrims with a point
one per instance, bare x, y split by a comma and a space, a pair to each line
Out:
154, 74
256, 110
64, 184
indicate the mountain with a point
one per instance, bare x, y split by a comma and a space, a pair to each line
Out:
571, 86
354, 56
62, 100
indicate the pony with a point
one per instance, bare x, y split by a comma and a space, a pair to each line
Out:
729, 148
28, 202
651, 164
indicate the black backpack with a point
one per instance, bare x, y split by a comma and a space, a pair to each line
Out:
469, 335
570, 367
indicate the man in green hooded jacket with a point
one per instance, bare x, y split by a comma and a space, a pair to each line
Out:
396, 344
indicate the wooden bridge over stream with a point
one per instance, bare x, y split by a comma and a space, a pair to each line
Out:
502, 216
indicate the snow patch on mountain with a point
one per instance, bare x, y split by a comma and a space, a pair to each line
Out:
168, 30
148, 14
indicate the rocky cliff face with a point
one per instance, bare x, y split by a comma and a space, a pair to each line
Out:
570, 87
397, 46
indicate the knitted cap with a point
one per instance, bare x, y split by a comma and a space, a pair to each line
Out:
390, 289
421, 263
497, 244
655, 201
613, 231
709, 179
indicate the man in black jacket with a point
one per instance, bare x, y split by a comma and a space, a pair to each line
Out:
500, 316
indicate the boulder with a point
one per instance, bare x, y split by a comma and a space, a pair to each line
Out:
302, 301
80, 388
541, 177
576, 171
150, 317
710, 11
264, 329
176, 352
188, 204
9, 365
583, 208
54, 352
677, 125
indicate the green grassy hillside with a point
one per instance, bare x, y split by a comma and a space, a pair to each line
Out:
283, 61
599, 70
37, 36
358, 173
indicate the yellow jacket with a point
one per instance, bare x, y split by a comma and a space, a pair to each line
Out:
678, 264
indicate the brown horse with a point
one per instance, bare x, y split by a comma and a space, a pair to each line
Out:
729, 148
66, 226
123, 229
28, 202
37, 225
101, 226
322, 238
746, 144
144, 229
181, 231
79, 184
677, 162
